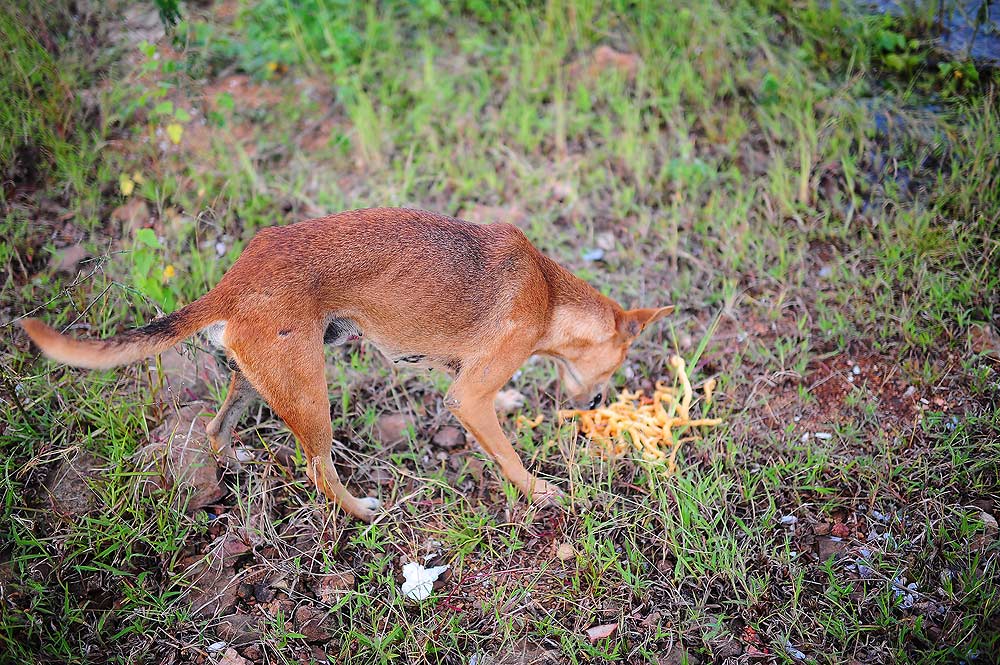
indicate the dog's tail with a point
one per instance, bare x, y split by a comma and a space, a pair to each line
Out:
132, 345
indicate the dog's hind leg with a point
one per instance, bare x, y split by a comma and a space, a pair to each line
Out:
288, 371
220, 430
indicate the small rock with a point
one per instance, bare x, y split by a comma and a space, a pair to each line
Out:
213, 585
334, 585
840, 530
984, 338
230, 544
185, 370
593, 255
309, 622
238, 629
821, 529
598, 633
231, 657
283, 455
793, 652
563, 191
856, 370
177, 454
829, 547
449, 438
483, 214
392, 429
216, 646
654, 619
565, 552
254, 653
823, 436
989, 522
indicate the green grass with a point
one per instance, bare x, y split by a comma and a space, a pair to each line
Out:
739, 167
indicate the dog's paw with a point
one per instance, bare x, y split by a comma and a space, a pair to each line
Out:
546, 494
230, 461
368, 507
508, 401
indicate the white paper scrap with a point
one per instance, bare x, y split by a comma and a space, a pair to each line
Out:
418, 581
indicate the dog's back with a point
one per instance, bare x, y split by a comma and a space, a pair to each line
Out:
415, 276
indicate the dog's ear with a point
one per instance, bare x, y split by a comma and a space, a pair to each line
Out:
633, 321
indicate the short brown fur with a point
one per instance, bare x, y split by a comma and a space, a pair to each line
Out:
472, 300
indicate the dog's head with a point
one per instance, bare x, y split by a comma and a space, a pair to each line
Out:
595, 349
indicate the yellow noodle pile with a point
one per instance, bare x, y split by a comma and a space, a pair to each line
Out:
649, 426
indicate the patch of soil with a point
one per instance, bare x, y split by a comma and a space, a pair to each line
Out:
178, 455
68, 485
246, 94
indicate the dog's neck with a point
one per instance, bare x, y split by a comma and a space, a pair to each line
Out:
577, 311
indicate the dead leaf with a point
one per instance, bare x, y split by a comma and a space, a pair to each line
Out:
565, 552
598, 633
983, 338
132, 215
67, 260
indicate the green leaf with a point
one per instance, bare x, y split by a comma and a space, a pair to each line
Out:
225, 101
180, 115
147, 237
164, 108
895, 62
889, 40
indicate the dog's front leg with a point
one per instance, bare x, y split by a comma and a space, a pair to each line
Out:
473, 406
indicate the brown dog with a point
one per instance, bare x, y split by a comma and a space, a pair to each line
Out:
472, 300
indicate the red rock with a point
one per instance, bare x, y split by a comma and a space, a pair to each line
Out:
391, 429
449, 438
597, 633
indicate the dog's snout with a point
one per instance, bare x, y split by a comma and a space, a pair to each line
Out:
596, 402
